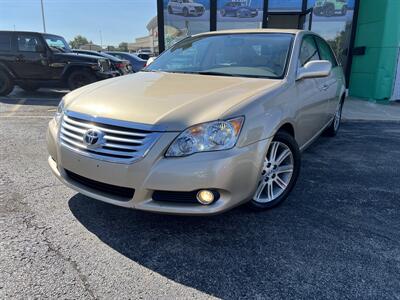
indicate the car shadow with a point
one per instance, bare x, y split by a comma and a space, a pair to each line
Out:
317, 244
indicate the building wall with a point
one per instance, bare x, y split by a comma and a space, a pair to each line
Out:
373, 74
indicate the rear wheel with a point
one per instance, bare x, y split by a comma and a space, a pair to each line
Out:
279, 174
6, 84
170, 10
80, 78
333, 129
186, 12
223, 13
329, 10
344, 10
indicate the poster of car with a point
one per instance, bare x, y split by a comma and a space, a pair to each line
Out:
183, 18
233, 14
332, 10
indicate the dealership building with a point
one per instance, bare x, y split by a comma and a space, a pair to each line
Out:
365, 34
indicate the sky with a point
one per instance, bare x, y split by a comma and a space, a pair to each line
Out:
117, 20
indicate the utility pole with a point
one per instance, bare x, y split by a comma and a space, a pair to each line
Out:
101, 39
44, 23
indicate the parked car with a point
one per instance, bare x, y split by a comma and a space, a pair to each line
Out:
239, 10
185, 7
222, 128
329, 8
123, 66
144, 54
136, 62
33, 60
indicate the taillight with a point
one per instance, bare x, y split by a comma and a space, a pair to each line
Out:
120, 65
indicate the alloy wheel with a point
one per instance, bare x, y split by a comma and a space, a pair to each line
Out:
276, 174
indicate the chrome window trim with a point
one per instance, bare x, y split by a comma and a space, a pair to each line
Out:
155, 131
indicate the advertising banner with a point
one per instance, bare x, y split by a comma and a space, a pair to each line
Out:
234, 14
185, 17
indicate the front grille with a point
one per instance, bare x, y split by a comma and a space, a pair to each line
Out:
179, 197
113, 190
121, 142
198, 9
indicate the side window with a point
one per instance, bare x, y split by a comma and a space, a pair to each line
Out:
326, 52
5, 42
308, 51
27, 43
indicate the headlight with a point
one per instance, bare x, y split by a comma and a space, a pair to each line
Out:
212, 136
60, 111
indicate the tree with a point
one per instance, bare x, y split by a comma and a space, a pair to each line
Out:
78, 41
123, 47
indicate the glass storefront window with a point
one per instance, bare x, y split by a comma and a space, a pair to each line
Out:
185, 17
239, 14
333, 20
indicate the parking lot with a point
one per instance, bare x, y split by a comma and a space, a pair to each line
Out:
337, 236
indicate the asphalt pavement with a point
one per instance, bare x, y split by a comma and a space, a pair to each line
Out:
336, 237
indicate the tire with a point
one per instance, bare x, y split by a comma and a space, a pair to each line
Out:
185, 12
6, 84
170, 10
344, 10
281, 176
238, 14
223, 13
80, 78
318, 11
333, 129
29, 87
329, 10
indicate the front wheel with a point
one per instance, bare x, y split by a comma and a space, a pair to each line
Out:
185, 12
279, 173
78, 79
344, 10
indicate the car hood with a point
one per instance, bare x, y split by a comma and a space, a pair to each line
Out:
194, 4
173, 101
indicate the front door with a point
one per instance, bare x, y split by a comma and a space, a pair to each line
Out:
312, 101
31, 61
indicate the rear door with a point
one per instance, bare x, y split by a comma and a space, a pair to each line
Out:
330, 86
313, 105
31, 61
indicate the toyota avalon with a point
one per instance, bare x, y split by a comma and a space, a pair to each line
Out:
216, 121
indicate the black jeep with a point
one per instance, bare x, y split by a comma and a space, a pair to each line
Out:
33, 60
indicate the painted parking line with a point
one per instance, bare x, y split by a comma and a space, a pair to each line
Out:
25, 117
16, 107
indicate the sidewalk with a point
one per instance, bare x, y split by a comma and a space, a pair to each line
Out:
356, 109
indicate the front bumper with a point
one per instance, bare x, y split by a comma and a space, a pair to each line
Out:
233, 173
106, 75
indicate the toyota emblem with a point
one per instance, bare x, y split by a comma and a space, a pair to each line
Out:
93, 138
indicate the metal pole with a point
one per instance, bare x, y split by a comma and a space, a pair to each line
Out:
44, 23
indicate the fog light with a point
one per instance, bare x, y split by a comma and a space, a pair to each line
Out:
205, 197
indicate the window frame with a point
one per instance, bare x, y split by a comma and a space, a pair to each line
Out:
312, 36
36, 36
332, 53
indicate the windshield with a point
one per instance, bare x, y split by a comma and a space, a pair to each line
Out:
248, 55
57, 43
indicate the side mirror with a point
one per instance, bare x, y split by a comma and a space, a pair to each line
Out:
315, 69
150, 60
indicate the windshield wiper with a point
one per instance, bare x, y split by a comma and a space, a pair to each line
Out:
213, 73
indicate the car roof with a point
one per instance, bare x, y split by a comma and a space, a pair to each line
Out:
269, 30
34, 32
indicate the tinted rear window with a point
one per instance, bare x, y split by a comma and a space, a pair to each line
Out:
5, 42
